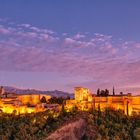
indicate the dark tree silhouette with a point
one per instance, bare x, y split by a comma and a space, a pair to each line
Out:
55, 100
68, 97
102, 92
113, 91
43, 100
98, 92
106, 92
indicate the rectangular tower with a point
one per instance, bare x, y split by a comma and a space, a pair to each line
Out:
81, 94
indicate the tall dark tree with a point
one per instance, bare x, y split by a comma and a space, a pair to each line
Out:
127, 108
98, 92
102, 93
113, 91
106, 92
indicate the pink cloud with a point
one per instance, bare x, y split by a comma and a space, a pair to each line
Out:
69, 41
4, 30
35, 29
79, 36
27, 34
101, 61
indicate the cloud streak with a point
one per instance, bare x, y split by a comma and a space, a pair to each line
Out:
98, 58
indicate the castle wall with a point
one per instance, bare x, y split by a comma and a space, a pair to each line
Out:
19, 104
85, 101
32, 99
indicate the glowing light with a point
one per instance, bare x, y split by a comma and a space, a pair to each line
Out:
84, 101
19, 104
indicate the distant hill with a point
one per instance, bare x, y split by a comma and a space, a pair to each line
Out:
55, 93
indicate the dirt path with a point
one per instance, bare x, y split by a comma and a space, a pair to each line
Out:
71, 131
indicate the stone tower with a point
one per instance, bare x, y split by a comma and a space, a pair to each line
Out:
81, 94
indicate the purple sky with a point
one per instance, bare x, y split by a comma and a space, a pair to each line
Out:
58, 45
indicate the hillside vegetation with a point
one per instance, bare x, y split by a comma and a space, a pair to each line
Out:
106, 125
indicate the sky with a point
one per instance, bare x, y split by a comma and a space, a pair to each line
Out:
51, 44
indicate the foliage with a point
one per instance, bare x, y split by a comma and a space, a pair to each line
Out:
102, 92
34, 126
113, 91
43, 100
56, 100
101, 125
115, 125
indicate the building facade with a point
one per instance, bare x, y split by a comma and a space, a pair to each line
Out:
84, 100
22, 103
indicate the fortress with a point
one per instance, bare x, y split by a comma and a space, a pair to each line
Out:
84, 100
21, 103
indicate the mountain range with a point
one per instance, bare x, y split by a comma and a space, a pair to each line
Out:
55, 93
